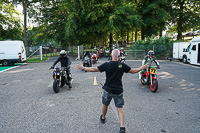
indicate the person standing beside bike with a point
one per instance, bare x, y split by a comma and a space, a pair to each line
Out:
113, 87
65, 62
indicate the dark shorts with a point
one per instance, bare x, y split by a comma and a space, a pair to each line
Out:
118, 99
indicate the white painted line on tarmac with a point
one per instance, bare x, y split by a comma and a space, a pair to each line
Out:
133, 60
12, 68
9, 69
141, 60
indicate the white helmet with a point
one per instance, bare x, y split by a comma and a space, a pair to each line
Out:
62, 53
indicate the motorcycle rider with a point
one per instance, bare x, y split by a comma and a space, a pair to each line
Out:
65, 62
101, 50
87, 53
122, 52
122, 55
146, 59
107, 51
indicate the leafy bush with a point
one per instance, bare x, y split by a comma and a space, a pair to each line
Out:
162, 47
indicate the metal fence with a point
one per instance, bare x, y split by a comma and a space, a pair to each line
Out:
135, 54
73, 51
47, 51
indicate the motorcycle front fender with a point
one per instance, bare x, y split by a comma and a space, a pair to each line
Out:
154, 77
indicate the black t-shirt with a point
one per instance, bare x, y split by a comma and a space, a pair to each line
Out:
114, 72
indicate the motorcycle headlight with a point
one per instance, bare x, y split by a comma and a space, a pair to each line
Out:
58, 73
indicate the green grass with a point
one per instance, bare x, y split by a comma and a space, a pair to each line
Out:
36, 60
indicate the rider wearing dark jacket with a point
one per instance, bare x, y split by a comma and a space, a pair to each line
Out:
65, 62
87, 53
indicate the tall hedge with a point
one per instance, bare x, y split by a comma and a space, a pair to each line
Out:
163, 46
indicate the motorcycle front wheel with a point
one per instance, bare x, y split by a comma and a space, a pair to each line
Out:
154, 86
142, 82
56, 87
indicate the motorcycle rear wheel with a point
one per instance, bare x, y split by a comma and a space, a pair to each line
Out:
56, 87
154, 86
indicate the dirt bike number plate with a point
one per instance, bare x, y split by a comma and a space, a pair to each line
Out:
153, 70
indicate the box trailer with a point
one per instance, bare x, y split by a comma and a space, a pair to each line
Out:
178, 49
192, 53
12, 52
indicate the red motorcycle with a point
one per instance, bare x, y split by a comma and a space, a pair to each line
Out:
94, 58
149, 78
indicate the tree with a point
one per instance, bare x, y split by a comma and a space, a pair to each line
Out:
96, 18
124, 18
9, 22
154, 16
88, 19
51, 16
26, 4
184, 14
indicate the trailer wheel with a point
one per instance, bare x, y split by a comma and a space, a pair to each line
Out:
5, 63
184, 59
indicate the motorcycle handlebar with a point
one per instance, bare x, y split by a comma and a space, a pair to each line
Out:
157, 67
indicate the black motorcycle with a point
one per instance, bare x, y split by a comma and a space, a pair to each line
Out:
86, 62
60, 79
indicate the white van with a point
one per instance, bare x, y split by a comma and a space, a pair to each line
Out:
192, 53
12, 52
178, 49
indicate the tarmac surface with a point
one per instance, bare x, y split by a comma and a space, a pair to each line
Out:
29, 105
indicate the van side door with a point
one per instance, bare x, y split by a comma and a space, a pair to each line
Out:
194, 51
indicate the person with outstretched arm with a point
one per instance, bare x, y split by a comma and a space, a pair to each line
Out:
113, 87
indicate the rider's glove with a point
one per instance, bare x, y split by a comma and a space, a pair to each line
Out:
52, 67
158, 67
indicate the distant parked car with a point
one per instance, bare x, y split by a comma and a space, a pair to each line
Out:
184, 34
198, 32
189, 33
195, 33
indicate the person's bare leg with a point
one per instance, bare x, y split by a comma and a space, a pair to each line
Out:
104, 111
121, 116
